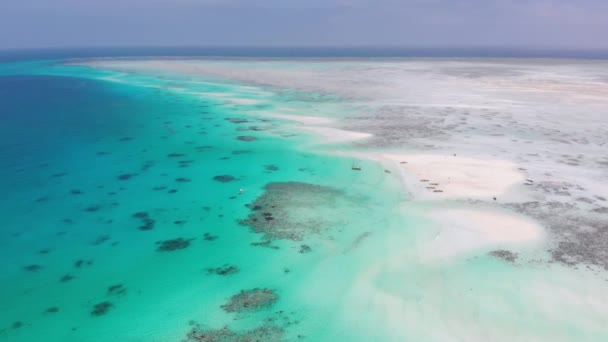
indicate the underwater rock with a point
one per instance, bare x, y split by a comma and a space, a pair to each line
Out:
209, 237
175, 155
93, 208
52, 309
246, 138
250, 300
504, 255
236, 120
66, 278
100, 239
305, 249
32, 268
237, 152
224, 178
126, 176
271, 167
140, 214
117, 289
224, 270
173, 244
101, 309
265, 333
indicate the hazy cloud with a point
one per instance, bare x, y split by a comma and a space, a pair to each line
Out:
543, 23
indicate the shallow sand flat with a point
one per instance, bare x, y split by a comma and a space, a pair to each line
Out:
463, 230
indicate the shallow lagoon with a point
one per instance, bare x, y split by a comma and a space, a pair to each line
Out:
121, 192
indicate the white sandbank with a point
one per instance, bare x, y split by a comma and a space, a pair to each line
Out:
431, 176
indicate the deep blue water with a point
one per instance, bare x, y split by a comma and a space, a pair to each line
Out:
304, 52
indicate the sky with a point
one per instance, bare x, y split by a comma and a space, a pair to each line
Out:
564, 24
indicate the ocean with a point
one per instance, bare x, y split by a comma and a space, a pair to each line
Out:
230, 199
136, 208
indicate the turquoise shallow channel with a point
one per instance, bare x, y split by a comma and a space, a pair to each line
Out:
149, 208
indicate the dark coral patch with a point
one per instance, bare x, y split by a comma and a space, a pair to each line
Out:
241, 152
173, 244
140, 214
117, 289
32, 268
237, 120
51, 310
101, 309
266, 333
147, 224
93, 208
305, 249
100, 239
224, 270
505, 255
272, 212
126, 176
250, 300
209, 237
66, 278
246, 138
224, 178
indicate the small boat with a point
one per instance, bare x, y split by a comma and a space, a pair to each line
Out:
356, 168
437, 190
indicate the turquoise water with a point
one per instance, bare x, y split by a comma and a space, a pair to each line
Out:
113, 215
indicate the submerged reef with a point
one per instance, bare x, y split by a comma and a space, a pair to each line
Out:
282, 211
580, 237
504, 255
246, 138
173, 244
250, 300
224, 178
224, 270
118, 289
146, 222
101, 309
209, 237
265, 333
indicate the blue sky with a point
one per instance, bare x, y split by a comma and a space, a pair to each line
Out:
422, 23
